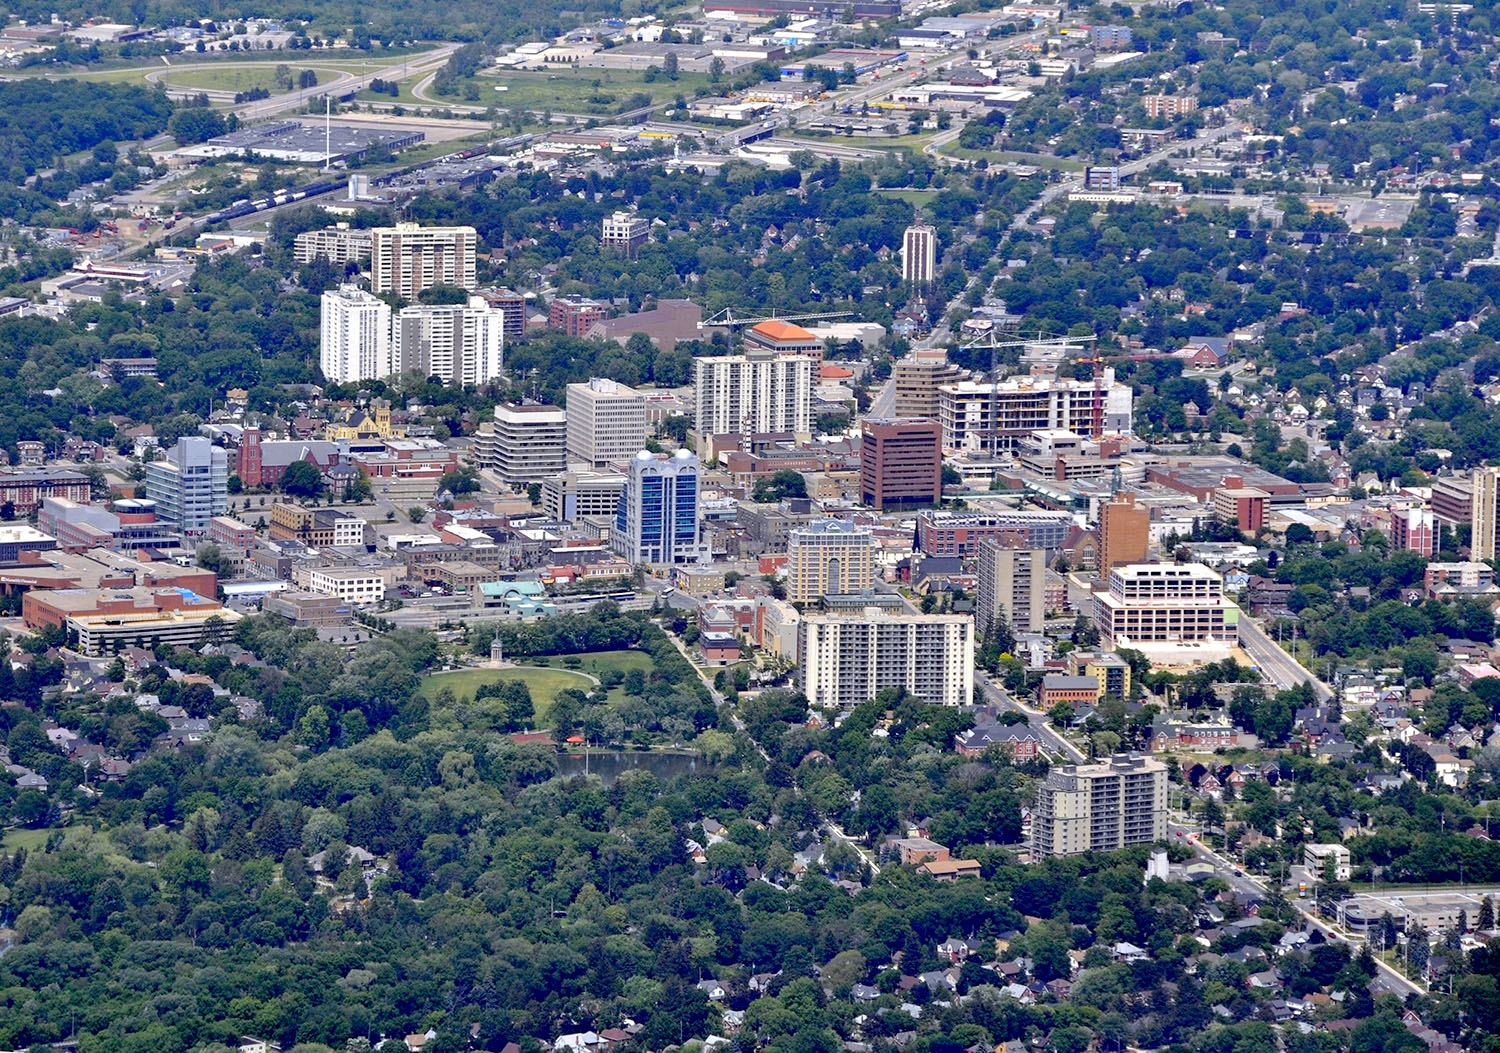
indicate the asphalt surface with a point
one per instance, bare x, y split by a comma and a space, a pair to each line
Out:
1275, 664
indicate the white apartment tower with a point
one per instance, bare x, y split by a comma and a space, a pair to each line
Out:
606, 422
919, 255
524, 444
755, 393
846, 659
356, 336
407, 258
458, 343
830, 557
997, 416
340, 245
1483, 517
1100, 807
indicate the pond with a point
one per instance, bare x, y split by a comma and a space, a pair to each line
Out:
610, 764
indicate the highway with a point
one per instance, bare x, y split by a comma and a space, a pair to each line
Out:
345, 85
1275, 664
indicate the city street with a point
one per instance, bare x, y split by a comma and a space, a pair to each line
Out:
1387, 979
1275, 664
1055, 743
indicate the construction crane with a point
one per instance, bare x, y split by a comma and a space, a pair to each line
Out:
1096, 364
729, 320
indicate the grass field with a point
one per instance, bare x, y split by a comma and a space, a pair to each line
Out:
403, 95
544, 684
911, 197
601, 662
243, 78
600, 91
598, 662
31, 840
1058, 164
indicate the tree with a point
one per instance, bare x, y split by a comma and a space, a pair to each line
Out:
211, 558
669, 65
196, 124
464, 481
302, 479
785, 483
1485, 920
307, 78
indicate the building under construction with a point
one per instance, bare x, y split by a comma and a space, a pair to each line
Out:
995, 416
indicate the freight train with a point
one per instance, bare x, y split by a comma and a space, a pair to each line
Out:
246, 206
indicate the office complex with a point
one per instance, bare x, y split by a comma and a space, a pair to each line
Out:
1172, 603
919, 255
996, 416
190, 485
846, 659
901, 463
659, 519
917, 378
338, 245
753, 393
1012, 587
457, 343
606, 422
407, 258
625, 232
1483, 515
942, 533
316, 527
1100, 807
1124, 533
356, 336
1242, 507
107, 621
582, 494
524, 443
829, 557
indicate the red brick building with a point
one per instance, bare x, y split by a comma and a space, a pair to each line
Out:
575, 315
901, 462
1074, 690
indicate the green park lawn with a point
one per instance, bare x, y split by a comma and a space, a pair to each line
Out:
545, 677
31, 840
544, 684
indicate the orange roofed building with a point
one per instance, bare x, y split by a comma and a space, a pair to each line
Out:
776, 335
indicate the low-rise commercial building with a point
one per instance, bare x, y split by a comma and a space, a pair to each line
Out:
106, 621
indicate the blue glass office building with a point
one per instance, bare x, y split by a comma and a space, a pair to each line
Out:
658, 520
